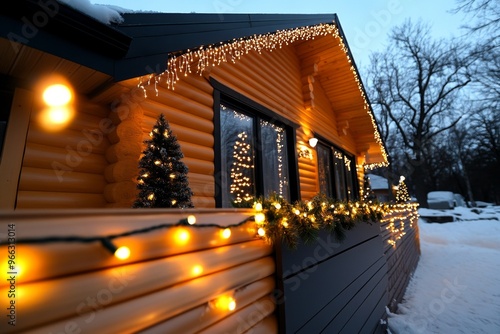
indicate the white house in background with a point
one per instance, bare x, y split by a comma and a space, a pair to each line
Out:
380, 187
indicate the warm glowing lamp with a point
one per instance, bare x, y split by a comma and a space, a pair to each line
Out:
58, 111
57, 95
313, 142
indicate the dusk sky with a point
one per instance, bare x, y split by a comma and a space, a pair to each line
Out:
365, 23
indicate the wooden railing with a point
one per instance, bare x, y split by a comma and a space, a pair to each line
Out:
214, 276
178, 279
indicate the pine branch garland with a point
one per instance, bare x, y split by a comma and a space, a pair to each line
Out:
302, 221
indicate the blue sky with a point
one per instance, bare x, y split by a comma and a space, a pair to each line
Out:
365, 23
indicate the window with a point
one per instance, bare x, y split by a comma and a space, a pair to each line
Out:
255, 151
337, 172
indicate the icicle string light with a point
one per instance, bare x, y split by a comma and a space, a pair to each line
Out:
206, 57
397, 217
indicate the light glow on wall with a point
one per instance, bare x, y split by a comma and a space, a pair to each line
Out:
57, 99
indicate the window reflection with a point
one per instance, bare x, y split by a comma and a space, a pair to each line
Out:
237, 152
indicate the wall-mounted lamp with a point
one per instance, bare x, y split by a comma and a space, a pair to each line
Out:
313, 141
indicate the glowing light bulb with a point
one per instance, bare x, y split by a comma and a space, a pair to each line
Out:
261, 232
151, 196
258, 207
181, 236
225, 303
57, 95
191, 220
277, 206
197, 270
260, 218
122, 253
225, 233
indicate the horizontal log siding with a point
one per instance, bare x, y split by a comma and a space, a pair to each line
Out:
155, 290
65, 169
189, 111
402, 257
272, 79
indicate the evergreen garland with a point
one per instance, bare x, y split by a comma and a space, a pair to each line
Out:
302, 221
162, 180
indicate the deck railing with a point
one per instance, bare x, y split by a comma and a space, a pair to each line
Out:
216, 275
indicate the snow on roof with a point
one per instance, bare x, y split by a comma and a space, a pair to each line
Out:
104, 13
378, 182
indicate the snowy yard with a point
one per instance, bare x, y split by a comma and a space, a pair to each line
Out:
456, 286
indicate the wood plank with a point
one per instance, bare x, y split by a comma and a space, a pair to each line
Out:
142, 312
14, 145
140, 279
202, 317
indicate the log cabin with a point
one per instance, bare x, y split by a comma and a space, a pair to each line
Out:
283, 87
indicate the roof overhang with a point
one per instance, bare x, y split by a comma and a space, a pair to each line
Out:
143, 43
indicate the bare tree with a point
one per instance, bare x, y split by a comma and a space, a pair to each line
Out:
483, 27
415, 83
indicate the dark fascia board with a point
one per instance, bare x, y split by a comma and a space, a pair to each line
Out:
58, 29
155, 36
141, 44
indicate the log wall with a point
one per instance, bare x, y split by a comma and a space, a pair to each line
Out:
172, 281
65, 168
168, 285
272, 79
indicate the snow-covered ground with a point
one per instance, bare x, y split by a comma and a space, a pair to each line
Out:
456, 286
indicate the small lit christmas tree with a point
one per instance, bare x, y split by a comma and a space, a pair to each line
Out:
162, 180
368, 194
402, 195
241, 185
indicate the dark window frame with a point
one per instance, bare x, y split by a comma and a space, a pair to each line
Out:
354, 175
231, 98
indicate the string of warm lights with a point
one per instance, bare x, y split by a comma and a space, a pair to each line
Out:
206, 57
278, 219
275, 219
399, 214
241, 185
123, 252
